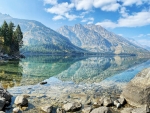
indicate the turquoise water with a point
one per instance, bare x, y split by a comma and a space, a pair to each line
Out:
83, 69
68, 78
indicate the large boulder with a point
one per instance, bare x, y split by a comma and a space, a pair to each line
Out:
137, 91
5, 94
21, 101
101, 110
2, 103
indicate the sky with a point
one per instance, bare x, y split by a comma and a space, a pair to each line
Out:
128, 18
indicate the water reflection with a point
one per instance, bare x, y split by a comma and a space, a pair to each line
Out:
34, 69
96, 69
10, 73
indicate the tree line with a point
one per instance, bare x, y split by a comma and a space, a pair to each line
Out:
10, 38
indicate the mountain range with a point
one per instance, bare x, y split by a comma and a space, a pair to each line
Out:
95, 38
40, 39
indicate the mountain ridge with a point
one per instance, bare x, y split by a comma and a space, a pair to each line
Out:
40, 39
115, 43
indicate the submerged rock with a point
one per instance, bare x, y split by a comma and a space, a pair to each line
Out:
137, 91
74, 106
42, 83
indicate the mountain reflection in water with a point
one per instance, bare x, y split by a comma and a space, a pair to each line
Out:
34, 69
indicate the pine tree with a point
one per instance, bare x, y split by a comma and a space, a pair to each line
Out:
18, 36
5, 34
11, 35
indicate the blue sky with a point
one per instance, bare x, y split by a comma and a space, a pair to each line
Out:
128, 18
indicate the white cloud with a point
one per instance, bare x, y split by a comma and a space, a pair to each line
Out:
52, 2
111, 7
100, 3
145, 42
83, 4
90, 22
71, 17
60, 9
107, 24
120, 35
131, 2
123, 12
88, 19
58, 17
134, 20
148, 34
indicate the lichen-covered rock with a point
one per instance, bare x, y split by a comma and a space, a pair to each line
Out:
21, 100
137, 91
101, 110
74, 106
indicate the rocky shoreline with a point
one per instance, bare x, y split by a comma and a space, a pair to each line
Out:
133, 99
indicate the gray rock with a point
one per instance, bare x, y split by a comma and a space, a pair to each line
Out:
2, 102
2, 112
21, 100
122, 101
47, 108
137, 91
107, 101
101, 110
60, 110
117, 104
4, 93
74, 106
87, 109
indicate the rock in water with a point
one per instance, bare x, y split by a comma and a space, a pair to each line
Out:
74, 106
101, 110
2, 102
137, 91
2, 112
47, 108
42, 83
21, 100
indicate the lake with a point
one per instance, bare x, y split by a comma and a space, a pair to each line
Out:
69, 78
